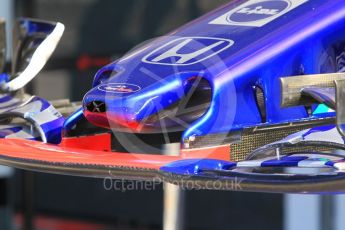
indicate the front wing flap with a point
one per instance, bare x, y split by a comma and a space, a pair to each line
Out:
265, 170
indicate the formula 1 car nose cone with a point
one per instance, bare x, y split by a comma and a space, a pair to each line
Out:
127, 106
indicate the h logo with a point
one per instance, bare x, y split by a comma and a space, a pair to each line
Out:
187, 51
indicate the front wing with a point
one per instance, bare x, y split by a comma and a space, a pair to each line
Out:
258, 175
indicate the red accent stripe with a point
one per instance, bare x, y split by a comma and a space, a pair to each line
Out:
100, 142
219, 153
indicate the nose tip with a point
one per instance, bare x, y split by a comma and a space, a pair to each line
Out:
100, 113
159, 107
118, 120
96, 106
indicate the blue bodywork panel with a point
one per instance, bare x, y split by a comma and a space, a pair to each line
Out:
32, 27
242, 45
43, 121
32, 117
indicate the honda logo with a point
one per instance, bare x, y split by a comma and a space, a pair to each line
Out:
187, 51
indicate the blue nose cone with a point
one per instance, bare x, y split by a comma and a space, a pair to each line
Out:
130, 107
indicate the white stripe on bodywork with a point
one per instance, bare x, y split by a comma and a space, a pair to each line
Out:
33, 110
38, 60
250, 164
10, 103
293, 138
48, 115
321, 136
328, 136
10, 126
26, 131
340, 166
22, 134
312, 163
